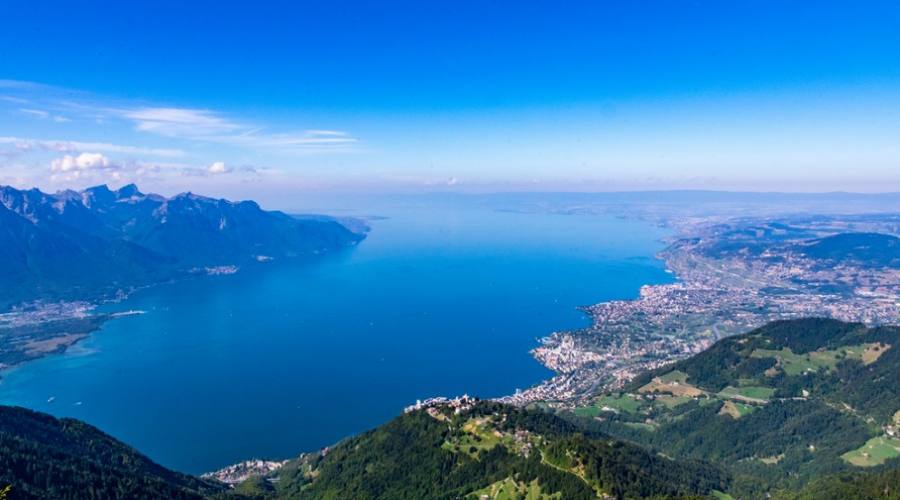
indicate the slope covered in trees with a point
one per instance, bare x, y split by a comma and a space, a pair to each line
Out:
441, 454
883, 485
434, 453
780, 406
42, 457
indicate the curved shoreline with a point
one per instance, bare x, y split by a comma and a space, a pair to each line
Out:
723, 288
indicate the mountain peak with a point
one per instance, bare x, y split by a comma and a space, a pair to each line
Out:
192, 196
128, 191
97, 195
99, 189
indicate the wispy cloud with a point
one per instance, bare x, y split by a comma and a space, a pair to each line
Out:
44, 115
172, 122
37, 113
305, 139
64, 146
179, 122
20, 84
209, 126
149, 143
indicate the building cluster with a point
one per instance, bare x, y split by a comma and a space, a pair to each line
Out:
458, 404
728, 283
240, 472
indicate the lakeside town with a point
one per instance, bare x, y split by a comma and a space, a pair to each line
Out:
37, 329
732, 276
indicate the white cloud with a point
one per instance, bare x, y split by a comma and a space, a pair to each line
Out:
84, 161
86, 167
218, 167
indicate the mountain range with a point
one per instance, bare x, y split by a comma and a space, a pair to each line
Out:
93, 243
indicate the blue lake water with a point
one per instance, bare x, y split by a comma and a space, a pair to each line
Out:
292, 356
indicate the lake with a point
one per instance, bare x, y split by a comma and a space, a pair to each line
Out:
287, 357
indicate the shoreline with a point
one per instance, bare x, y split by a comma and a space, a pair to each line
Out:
47, 320
68, 324
721, 289
559, 353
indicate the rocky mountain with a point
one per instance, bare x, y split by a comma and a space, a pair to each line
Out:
91, 243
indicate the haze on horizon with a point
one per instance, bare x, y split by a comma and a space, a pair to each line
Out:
275, 99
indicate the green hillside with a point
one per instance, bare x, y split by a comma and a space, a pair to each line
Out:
42, 457
778, 407
494, 450
884, 485
486, 450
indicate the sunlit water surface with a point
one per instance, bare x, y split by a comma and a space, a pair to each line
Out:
288, 357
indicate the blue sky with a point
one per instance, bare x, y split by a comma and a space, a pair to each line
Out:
262, 98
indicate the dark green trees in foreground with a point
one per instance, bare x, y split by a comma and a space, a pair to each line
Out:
42, 457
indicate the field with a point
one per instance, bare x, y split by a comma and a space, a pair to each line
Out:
622, 403
674, 383
509, 489
875, 452
736, 410
674, 376
872, 352
672, 401
641, 425
479, 436
754, 394
796, 364
773, 459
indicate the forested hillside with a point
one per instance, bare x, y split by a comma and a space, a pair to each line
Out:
779, 406
494, 450
42, 457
